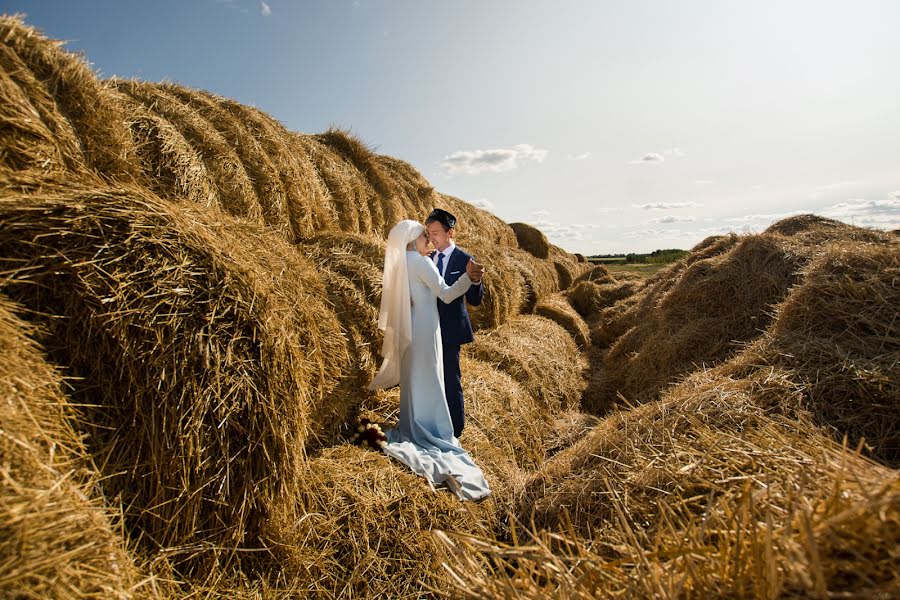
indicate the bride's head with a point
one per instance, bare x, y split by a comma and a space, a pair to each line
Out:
421, 244
412, 236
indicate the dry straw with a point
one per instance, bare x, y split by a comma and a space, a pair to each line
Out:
557, 309
532, 240
57, 538
79, 96
203, 347
235, 193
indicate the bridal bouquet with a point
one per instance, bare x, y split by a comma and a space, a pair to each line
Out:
368, 434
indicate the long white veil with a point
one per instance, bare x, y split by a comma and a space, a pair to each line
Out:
395, 315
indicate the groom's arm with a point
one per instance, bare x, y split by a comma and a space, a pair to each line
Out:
475, 294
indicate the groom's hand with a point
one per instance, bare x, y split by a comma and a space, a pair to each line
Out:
475, 270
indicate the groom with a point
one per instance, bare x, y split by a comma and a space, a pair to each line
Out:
456, 329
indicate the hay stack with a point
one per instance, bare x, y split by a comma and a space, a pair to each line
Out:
531, 240
203, 346
588, 298
84, 104
597, 275
557, 309
261, 171
57, 538
537, 353
838, 336
698, 494
699, 316
233, 188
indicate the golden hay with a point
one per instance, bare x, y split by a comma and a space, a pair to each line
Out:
838, 335
531, 240
171, 165
202, 346
54, 142
537, 353
588, 298
712, 306
597, 274
56, 538
557, 309
233, 187
364, 527
580, 258
79, 96
259, 168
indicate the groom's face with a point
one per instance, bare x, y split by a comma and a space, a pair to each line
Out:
438, 236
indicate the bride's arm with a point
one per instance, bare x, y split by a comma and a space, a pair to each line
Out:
428, 273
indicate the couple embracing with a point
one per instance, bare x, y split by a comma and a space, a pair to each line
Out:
425, 322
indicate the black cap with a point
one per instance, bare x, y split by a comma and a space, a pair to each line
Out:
443, 217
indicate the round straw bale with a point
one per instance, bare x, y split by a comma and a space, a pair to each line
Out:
557, 309
537, 353
27, 143
347, 186
235, 191
170, 163
202, 344
43, 115
57, 538
707, 468
413, 197
262, 173
531, 240
475, 225
839, 333
580, 258
588, 298
382, 212
80, 97
308, 205
361, 527
503, 288
714, 305
597, 274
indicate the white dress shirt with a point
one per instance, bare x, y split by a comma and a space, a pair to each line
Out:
447, 252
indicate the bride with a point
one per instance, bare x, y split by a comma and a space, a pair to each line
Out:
423, 438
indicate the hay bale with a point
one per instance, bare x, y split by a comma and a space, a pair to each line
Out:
812, 229
557, 309
700, 493
171, 165
537, 353
588, 299
531, 240
712, 307
364, 528
57, 538
261, 171
79, 96
837, 332
580, 258
202, 345
235, 193
309, 207
598, 275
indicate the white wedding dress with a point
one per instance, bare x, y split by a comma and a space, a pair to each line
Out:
423, 439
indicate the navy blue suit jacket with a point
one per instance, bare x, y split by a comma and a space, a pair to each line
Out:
456, 328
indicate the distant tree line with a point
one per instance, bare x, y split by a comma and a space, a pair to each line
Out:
657, 257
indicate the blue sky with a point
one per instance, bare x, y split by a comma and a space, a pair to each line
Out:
613, 126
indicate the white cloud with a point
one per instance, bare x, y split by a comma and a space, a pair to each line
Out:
473, 162
765, 218
264, 9
884, 214
582, 156
664, 205
672, 219
541, 213
484, 203
673, 153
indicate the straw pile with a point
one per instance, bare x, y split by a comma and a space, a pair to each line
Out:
557, 309
66, 98
699, 493
204, 346
56, 538
531, 240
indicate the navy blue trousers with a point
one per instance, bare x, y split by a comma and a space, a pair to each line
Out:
453, 387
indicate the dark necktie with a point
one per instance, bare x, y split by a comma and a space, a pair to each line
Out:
440, 264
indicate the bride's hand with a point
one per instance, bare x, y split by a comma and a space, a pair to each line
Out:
475, 270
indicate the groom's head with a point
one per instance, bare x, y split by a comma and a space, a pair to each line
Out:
440, 225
